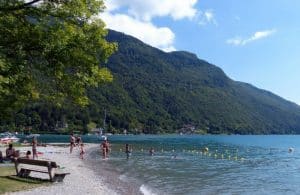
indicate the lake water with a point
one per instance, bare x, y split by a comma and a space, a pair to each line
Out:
233, 164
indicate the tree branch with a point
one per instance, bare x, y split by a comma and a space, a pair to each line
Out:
15, 8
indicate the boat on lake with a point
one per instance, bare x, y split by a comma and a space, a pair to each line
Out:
6, 138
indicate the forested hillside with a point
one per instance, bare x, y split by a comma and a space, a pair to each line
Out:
158, 92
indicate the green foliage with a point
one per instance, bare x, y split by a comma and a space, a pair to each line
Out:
158, 92
51, 50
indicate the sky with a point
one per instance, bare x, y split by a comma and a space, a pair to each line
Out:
255, 41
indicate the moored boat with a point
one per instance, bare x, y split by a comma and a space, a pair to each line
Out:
6, 138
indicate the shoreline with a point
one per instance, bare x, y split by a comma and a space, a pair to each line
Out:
82, 179
111, 176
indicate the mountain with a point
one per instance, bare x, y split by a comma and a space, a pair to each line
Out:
158, 92
162, 92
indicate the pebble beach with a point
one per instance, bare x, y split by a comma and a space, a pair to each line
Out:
82, 180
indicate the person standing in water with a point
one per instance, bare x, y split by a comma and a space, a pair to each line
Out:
127, 151
151, 151
34, 148
72, 142
105, 148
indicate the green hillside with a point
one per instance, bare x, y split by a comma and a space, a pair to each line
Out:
164, 91
158, 92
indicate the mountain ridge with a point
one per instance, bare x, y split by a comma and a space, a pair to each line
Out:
202, 76
166, 92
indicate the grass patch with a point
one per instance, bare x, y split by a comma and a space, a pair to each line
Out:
11, 183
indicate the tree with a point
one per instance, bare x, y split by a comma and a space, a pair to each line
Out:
51, 50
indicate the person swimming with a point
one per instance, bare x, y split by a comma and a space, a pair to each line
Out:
151, 151
291, 150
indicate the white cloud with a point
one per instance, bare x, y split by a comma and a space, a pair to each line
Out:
160, 37
206, 17
238, 41
134, 17
146, 10
111, 5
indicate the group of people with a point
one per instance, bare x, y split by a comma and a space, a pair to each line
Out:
33, 152
77, 141
11, 153
104, 147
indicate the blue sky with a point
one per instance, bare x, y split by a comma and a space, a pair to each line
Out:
255, 41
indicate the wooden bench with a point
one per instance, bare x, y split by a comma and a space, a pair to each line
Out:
51, 166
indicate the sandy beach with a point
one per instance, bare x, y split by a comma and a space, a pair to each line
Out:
81, 180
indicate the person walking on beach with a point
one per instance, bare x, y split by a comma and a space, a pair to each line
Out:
105, 148
34, 148
72, 142
82, 150
128, 150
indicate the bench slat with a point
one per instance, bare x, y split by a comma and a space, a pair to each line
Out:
34, 170
43, 163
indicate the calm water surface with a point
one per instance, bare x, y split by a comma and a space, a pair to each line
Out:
232, 165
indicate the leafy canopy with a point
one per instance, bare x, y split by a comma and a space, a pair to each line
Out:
51, 50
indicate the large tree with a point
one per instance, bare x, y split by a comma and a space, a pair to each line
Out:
51, 50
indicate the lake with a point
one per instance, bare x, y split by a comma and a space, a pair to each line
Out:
233, 164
